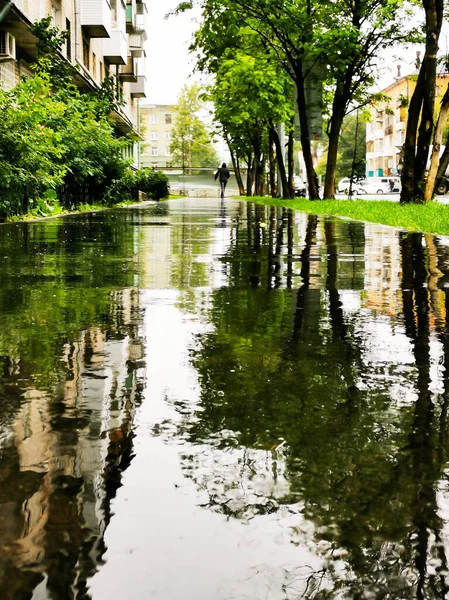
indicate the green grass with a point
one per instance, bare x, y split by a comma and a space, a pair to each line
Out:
428, 218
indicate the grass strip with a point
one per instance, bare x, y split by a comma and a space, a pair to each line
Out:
432, 217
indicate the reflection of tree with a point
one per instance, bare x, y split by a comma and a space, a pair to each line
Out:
69, 392
424, 465
288, 380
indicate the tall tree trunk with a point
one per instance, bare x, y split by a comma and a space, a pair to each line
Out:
437, 138
272, 163
338, 113
408, 164
312, 179
236, 165
434, 18
280, 163
421, 110
291, 162
249, 177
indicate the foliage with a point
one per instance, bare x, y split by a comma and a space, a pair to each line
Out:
30, 149
154, 184
52, 135
351, 150
191, 142
344, 39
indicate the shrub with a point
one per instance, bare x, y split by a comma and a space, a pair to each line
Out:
152, 183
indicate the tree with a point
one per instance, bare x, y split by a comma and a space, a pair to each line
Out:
345, 50
251, 96
191, 144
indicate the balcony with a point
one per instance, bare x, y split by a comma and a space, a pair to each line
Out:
136, 44
95, 18
141, 17
128, 72
131, 16
115, 49
139, 89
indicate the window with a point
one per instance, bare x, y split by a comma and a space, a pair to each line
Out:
154, 152
94, 65
168, 119
167, 151
54, 16
101, 71
153, 119
86, 53
153, 135
168, 135
68, 42
114, 12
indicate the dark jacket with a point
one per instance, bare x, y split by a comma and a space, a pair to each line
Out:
223, 173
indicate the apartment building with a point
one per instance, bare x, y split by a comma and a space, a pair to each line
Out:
157, 125
385, 133
105, 37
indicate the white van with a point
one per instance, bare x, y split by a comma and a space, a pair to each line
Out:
382, 185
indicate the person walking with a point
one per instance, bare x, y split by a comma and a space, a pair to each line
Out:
222, 175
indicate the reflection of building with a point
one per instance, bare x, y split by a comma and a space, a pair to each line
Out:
104, 37
385, 133
157, 122
62, 465
383, 269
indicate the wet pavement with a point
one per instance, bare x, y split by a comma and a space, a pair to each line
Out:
206, 400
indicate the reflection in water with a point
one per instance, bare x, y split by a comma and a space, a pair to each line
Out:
71, 356
295, 369
313, 401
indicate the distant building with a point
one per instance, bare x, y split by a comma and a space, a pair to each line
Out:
385, 134
157, 126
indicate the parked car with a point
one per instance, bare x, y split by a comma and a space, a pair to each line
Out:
358, 187
372, 185
382, 185
344, 184
299, 186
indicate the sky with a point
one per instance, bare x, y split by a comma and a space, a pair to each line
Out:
169, 65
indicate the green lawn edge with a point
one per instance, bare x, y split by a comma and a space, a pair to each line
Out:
432, 217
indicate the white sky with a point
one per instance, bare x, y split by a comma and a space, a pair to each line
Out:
169, 65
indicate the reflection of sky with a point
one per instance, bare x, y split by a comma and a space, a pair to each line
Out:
161, 543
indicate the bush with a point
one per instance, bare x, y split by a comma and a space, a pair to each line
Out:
152, 183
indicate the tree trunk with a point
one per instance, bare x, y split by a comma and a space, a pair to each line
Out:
437, 138
272, 163
408, 164
291, 162
338, 113
280, 162
238, 175
422, 105
312, 179
434, 17
249, 178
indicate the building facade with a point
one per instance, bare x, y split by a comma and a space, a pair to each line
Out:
157, 125
105, 38
385, 133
